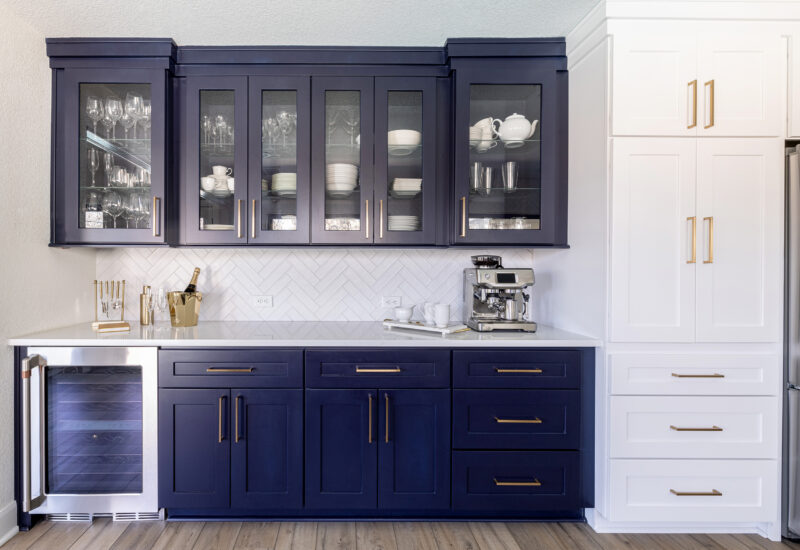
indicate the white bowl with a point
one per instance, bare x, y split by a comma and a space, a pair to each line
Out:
403, 314
404, 137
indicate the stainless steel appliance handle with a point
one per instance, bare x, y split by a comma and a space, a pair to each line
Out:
28, 364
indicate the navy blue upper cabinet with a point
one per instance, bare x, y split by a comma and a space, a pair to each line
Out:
510, 143
110, 136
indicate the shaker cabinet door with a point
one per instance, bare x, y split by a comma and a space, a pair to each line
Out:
655, 240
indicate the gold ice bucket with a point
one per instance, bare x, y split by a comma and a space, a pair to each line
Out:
184, 308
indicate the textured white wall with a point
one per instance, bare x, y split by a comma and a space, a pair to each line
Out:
41, 287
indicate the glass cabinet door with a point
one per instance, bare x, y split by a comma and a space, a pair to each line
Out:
343, 205
215, 186
113, 185
405, 152
279, 159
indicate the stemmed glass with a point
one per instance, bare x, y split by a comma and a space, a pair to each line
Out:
135, 108
146, 116
284, 124
206, 125
352, 121
222, 128
94, 110
94, 162
128, 210
332, 124
114, 112
108, 122
108, 167
112, 205
161, 304
272, 130
139, 208
127, 123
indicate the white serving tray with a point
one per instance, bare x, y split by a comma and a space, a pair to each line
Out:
416, 325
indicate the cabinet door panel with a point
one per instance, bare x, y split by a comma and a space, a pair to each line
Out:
194, 448
739, 289
652, 285
267, 449
341, 449
747, 94
414, 449
653, 90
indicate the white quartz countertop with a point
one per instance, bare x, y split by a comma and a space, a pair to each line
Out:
295, 334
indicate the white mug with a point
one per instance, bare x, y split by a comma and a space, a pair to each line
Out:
230, 183
221, 170
208, 183
428, 313
485, 124
442, 315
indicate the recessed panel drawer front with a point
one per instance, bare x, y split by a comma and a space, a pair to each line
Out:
516, 419
241, 368
392, 368
516, 369
694, 490
695, 374
694, 427
498, 481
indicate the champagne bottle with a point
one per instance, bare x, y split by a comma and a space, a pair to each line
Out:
192, 287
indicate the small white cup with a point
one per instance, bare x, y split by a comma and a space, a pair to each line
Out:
484, 124
428, 313
230, 184
208, 183
403, 314
221, 170
441, 314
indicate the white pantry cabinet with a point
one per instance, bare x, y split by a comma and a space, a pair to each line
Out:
697, 84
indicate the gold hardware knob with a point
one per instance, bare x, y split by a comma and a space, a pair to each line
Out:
253, 220
367, 369
693, 85
463, 216
534, 483
366, 218
693, 219
239, 218
369, 422
712, 493
715, 375
380, 225
154, 213
527, 371
536, 420
220, 369
219, 429
236, 421
710, 87
386, 429
710, 220
711, 429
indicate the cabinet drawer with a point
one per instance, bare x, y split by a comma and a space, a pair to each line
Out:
695, 374
729, 490
516, 419
266, 368
498, 481
516, 369
694, 427
400, 368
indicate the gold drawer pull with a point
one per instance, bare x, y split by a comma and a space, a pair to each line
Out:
219, 429
715, 375
367, 369
712, 493
534, 483
711, 429
220, 369
528, 371
536, 420
369, 425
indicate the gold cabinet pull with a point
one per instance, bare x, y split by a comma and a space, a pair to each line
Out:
527, 371
369, 422
219, 429
221, 369
380, 225
463, 216
534, 483
693, 219
693, 86
710, 86
155, 215
368, 369
711, 429
715, 375
710, 220
236, 419
536, 420
386, 428
366, 217
712, 493
239, 218
253, 220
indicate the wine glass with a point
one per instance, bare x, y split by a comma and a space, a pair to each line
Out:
222, 128
139, 208
351, 121
284, 124
134, 107
114, 111
108, 167
94, 162
94, 110
161, 303
112, 205
146, 116
128, 212
127, 123
206, 125
108, 122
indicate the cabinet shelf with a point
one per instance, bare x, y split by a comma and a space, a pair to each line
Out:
134, 151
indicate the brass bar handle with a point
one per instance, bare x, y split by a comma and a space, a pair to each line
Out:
527, 371
386, 398
239, 219
710, 259
155, 216
715, 375
536, 420
253, 220
710, 86
711, 429
219, 429
712, 493
368, 370
220, 369
534, 483
463, 216
369, 422
366, 217
693, 85
693, 219
236, 417
380, 225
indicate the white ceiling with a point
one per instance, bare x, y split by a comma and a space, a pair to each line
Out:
311, 22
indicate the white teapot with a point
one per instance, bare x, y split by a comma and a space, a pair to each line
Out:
514, 129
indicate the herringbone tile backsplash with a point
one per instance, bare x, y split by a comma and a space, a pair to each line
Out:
306, 284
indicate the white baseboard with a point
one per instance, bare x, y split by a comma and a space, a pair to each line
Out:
8, 522
602, 525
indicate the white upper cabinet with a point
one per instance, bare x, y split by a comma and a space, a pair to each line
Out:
652, 279
697, 84
740, 244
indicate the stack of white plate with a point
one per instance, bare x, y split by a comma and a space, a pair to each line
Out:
341, 179
284, 184
403, 223
406, 187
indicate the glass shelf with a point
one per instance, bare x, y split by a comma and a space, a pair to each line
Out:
137, 153
138, 188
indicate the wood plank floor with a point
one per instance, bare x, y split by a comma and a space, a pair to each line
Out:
104, 534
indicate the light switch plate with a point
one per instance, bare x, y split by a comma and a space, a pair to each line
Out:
391, 301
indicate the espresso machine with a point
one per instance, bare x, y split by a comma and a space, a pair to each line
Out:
495, 298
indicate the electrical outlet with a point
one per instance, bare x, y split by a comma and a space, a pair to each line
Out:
391, 301
262, 301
